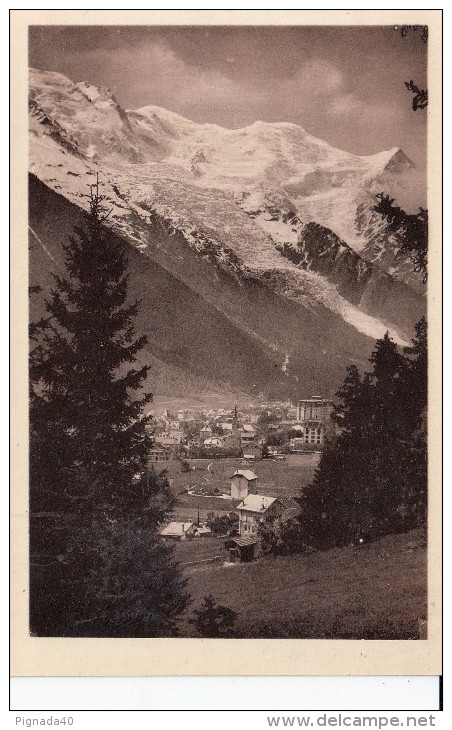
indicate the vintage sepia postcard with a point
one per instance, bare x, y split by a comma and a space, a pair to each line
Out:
226, 262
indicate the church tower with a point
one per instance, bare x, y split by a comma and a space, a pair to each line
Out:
235, 421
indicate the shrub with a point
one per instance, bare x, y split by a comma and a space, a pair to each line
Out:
213, 621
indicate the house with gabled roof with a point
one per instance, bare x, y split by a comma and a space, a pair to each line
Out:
247, 435
205, 433
256, 509
243, 482
242, 549
178, 531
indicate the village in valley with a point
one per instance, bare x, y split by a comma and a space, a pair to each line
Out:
234, 472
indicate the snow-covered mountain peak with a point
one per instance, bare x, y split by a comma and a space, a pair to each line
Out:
48, 79
249, 195
175, 123
281, 153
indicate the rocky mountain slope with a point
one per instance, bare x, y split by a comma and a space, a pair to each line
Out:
277, 272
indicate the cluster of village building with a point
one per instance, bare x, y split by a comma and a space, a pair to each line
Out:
253, 510
245, 433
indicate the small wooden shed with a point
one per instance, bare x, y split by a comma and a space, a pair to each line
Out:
242, 549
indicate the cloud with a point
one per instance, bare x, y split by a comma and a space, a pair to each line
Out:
345, 105
155, 74
158, 75
317, 78
349, 108
325, 91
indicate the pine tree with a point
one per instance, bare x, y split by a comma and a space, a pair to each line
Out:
92, 577
388, 436
350, 413
81, 380
409, 229
98, 567
417, 363
415, 394
372, 479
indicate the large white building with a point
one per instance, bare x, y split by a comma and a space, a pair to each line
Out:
313, 415
314, 409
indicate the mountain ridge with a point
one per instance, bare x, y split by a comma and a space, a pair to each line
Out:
229, 332
256, 204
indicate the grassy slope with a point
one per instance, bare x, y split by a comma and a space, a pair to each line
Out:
197, 550
371, 591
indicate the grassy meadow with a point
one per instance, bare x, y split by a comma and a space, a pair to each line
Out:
372, 591
282, 479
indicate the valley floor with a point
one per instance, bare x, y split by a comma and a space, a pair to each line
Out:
282, 479
373, 591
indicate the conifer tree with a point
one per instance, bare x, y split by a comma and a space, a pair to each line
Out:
350, 412
415, 394
416, 376
98, 567
410, 231
372, 479
82, 374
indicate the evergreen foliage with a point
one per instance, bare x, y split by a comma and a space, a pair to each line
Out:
82, 409
420, 96
213, 621
95, 578
409, 229
97, 566
372, 479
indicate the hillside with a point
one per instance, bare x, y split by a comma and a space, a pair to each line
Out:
373, 591
207, 330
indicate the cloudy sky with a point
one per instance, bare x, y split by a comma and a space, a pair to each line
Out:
345, 85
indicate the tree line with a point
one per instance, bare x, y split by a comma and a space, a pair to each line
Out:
371, 479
